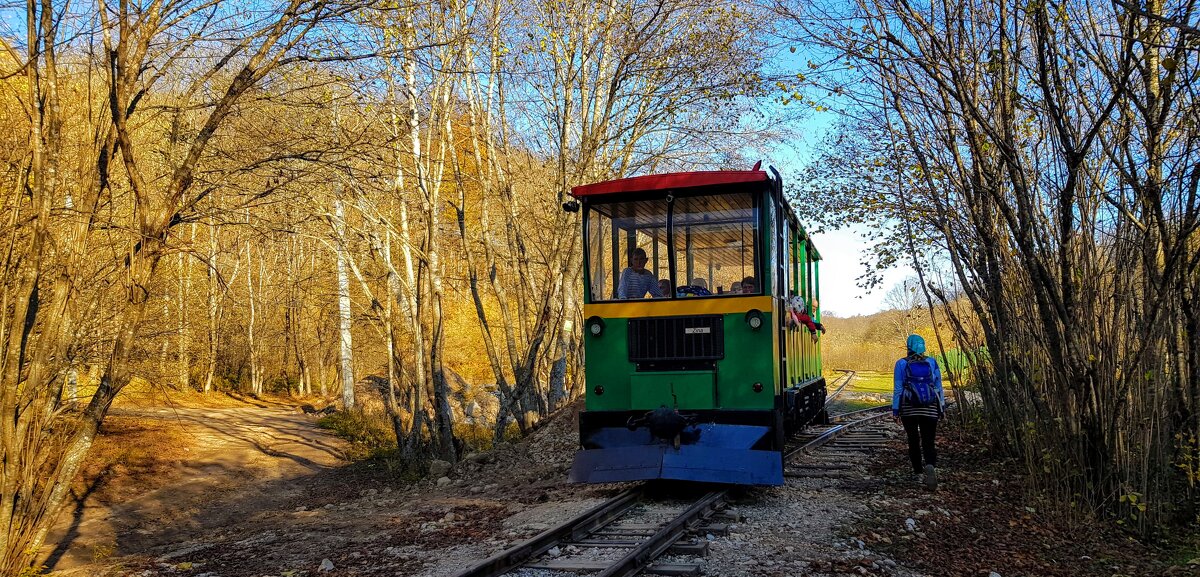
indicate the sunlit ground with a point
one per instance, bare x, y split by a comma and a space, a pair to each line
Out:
868, 389
871, 382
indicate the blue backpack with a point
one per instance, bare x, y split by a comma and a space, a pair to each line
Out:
918, 383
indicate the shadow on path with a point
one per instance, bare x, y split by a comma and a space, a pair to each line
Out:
245, 460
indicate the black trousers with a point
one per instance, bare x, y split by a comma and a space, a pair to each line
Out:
920, 431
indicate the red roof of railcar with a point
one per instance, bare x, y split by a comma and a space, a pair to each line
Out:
670, 181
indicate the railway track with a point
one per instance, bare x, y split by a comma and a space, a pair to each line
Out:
839, 384
622, 536
630, 533
835, 450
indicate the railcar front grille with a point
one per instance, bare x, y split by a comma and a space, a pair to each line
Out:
692, 338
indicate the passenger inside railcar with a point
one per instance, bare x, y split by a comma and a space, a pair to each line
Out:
636, 280
798, 313
698, 287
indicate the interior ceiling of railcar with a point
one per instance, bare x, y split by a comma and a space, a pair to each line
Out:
725, 217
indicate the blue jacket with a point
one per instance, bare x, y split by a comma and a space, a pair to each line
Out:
898, 385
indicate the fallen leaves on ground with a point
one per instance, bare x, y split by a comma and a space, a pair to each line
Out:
984, 520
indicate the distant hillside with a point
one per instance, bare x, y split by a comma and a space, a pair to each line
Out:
872, 342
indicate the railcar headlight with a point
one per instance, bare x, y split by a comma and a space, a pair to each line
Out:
754, 319
758, 388
595, 326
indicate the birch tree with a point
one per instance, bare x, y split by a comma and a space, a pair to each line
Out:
345, 344
46, 270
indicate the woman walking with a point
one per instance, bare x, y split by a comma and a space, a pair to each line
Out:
918, 402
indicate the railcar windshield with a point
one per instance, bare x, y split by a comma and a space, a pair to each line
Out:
714, 244
712, 237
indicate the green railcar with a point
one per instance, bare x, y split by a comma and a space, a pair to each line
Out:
699, 376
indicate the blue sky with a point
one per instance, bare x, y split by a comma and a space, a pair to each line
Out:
842, 250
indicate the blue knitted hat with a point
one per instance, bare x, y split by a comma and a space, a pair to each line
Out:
916, 344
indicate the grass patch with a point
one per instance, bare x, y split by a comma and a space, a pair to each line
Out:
372, 445
369, 436
846, 405
872, 382
477, 437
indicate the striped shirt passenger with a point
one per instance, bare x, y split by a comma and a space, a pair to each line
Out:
636, 281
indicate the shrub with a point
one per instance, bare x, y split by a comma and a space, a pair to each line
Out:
369, 435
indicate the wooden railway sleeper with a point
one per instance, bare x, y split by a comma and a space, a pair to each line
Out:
577, 528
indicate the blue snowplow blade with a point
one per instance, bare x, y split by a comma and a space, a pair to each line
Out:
721, 454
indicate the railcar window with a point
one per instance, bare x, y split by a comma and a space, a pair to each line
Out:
715, 243
615, 230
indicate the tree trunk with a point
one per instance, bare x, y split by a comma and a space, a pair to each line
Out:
345, 348
256, 385
185, 328
214, 307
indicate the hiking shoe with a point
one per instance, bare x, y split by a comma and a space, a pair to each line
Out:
930, 477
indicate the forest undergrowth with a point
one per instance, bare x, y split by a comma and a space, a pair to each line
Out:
1000, 521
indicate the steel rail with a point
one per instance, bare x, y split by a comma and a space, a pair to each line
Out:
861, 411
847, 376
645, 554
837, 431
573, 529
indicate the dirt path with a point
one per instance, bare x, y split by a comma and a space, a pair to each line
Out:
240, 462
